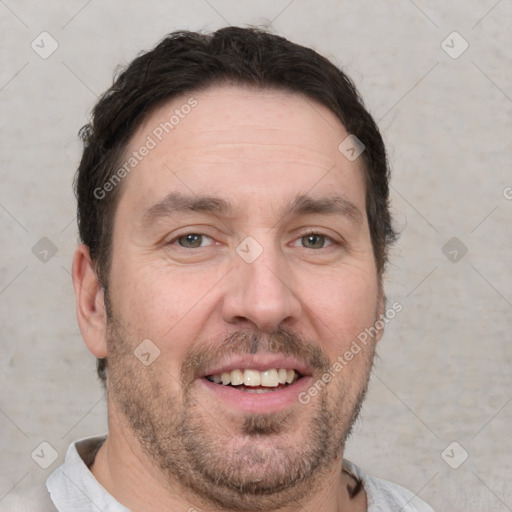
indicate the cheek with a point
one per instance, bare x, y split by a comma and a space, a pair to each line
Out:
345, 304
161, 303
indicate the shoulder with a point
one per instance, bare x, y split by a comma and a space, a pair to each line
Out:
384, 496
32, 499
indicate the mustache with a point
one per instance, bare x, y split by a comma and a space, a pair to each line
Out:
281, 341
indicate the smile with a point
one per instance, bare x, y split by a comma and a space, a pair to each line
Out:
255, 381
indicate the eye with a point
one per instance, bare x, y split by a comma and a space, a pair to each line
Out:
193, 240
315, 241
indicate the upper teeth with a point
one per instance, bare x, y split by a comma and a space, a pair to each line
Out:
269, 378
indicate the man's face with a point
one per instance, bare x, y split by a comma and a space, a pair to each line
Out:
241, 249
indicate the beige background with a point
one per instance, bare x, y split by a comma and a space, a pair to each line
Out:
444, 370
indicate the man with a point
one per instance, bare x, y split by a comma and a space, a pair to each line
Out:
233, 209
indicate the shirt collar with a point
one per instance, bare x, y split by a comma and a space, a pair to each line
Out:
73, 487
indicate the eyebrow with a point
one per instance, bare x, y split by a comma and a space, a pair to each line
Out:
335, 205
176, 202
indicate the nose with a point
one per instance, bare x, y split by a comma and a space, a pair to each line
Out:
260, 294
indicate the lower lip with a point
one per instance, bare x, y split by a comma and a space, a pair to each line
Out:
271, 401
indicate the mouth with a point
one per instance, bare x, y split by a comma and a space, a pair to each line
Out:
259, 383
256, 381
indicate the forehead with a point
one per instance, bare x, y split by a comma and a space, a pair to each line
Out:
241, 144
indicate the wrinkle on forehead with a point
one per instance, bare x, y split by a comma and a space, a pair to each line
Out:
251, 115
248, 142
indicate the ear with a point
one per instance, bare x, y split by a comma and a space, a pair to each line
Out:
90, 303
381, 309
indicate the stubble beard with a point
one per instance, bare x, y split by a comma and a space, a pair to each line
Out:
262, 466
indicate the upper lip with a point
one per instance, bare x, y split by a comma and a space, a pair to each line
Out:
260, 362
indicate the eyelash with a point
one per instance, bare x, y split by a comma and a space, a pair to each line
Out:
302, 235
175, 239
317, 233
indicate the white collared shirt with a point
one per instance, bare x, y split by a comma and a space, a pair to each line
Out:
73, 488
